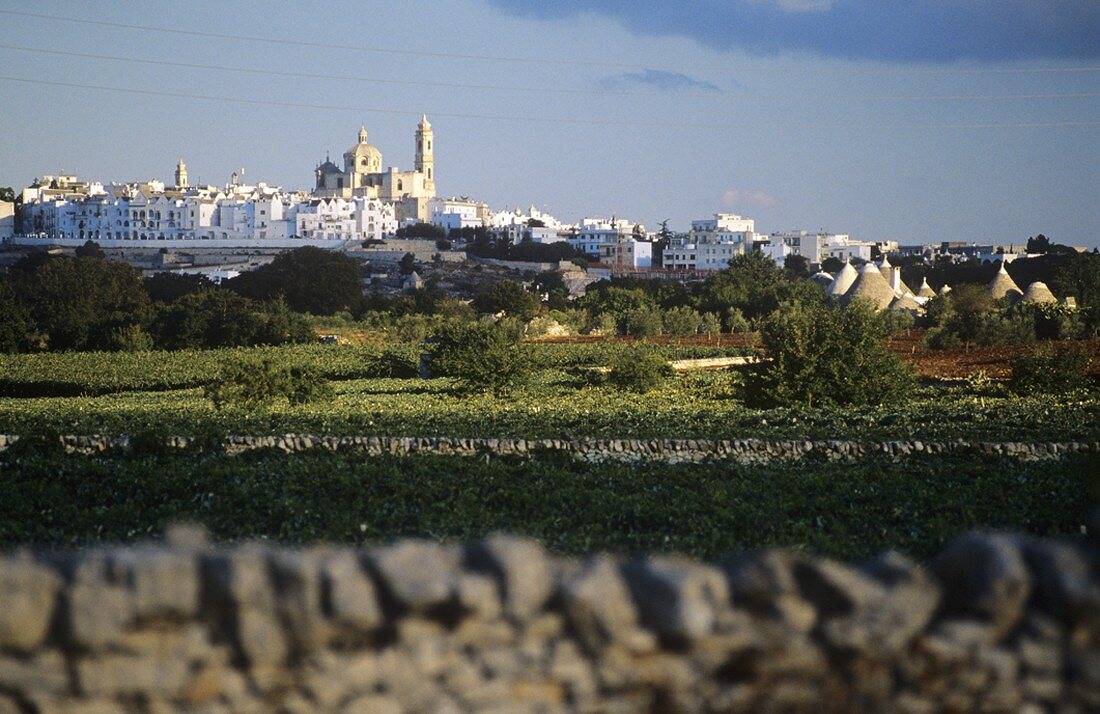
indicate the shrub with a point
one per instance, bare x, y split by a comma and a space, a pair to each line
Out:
1049, 370
638, 371
482, 357
255, 384
130, 338
821, 355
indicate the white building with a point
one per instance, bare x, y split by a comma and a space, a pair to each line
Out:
613, 242
7, 220
237, 215
454, 214
711, 243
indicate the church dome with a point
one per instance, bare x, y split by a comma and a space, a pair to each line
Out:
363, 157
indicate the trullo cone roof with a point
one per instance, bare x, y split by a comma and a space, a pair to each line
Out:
843, 281
1038, 292
1002, 285
871, 287
926, 290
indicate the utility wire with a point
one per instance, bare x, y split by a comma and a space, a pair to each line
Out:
550, 120
541, 60
717, 94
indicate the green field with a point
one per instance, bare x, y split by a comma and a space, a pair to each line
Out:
843, 510
158, 392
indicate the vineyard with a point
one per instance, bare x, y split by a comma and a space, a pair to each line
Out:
92, 373
560, 401
843, 510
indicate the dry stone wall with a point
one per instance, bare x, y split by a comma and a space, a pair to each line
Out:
997, 623
601, 450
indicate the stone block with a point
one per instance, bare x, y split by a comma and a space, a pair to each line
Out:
349, 597
521, 568
28, 595
597, 603
416, 575
984, 574
676, 597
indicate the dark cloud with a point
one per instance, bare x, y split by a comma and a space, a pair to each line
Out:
908, 31
657, 79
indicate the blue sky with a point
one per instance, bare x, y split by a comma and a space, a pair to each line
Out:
916, 121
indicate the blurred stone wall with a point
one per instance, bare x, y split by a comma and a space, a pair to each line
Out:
997, 623
598, 449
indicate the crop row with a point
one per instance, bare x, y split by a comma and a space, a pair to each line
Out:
92, 373
699, 405
842, 510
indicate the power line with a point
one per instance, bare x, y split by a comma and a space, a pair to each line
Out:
542, 60
717, 94
550, 120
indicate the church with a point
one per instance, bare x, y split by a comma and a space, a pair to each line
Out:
362, 175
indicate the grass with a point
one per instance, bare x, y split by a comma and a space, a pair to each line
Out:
843, 510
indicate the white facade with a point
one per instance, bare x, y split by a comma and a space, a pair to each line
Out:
613, 242
711, 243
454, 214
7, 220
149, 214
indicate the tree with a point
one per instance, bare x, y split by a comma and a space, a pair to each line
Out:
90, 249
255, 384
407, 264
1038, 244
481, 356
168, 287
509, 297
422, 230
313, 280
221, 318
832, 265
16, 326
682, 321
77, 303
7, 194
797, 266
638, 370
819, 355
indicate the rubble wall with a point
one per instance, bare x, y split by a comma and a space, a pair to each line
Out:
997, 623
600, 449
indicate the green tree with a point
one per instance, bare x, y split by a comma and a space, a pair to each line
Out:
819, 355
643, 322
682, 321
509, 297
313, 280
7, 194
17, 329
1047, 370
168, 287
220, 318
638, 370
796, 266
481, 356
407, 264
255, 384
77, 303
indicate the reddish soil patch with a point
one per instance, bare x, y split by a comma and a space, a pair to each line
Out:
960, 363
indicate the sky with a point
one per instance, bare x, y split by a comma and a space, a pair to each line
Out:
919, 121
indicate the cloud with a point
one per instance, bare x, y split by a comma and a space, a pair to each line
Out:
739, 197
913, 31
663, 81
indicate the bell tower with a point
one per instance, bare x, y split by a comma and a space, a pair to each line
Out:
181, 174
425, 160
